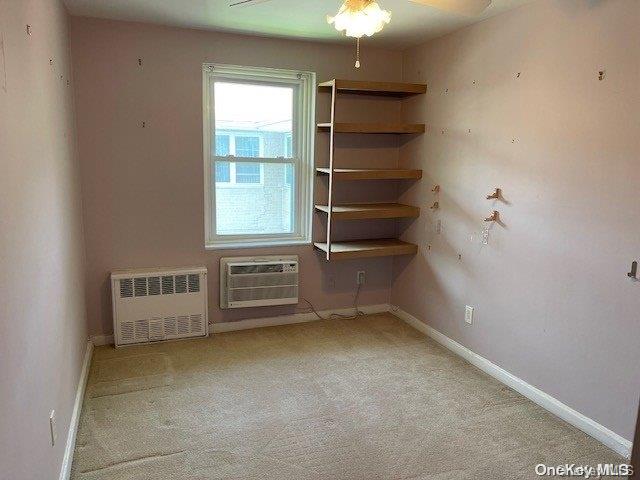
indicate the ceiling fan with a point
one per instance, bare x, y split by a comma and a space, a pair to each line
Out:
359, 18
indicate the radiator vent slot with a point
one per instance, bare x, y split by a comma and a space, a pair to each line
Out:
181, 284
184, 326
167, 285
126, 332
196, 323
194, 283
156, 329
126, 288
159, 305
140, 286
154, 285
141, 330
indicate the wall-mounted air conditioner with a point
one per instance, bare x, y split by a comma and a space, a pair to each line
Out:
159, 304
258, 281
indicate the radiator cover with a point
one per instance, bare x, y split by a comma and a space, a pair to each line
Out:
153, 305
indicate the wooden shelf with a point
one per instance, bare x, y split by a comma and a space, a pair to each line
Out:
389, 89
354, 211
363, 211
368, 248
371, 173
342, 127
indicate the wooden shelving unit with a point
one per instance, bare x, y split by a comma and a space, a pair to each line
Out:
387, 89
371, 247
371, 173
372, 127
385, 247
364, 211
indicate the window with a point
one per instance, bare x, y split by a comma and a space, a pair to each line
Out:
237, 144
248, 147
222, 145
288, 146
258, 149
248, 172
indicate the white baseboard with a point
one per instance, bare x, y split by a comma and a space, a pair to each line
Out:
67, 460
99, 340
601, 433
290, 319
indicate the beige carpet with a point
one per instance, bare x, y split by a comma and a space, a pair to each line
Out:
342, 399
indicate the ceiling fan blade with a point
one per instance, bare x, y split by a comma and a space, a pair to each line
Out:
464, 7
246, 3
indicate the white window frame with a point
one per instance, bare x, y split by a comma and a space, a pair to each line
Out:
302, 154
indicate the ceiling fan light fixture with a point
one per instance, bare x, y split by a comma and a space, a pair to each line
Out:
358, 18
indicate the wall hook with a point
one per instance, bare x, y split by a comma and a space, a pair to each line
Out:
436, 189
634, 271
495, 217
495, 195
435, 206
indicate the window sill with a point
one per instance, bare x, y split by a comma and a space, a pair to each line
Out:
262, 244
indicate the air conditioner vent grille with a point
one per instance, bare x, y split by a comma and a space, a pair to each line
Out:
262, 280
253, 294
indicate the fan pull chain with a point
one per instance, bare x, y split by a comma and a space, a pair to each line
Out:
358, 52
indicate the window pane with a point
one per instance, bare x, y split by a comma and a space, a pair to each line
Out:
247, 146
288, 146
222, 145
223, 172
288, 174
263, 206
258, 117
247, 173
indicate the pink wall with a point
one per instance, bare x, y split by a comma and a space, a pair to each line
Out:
143, 188
43, 330
553, 303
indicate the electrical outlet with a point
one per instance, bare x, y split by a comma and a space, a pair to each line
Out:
439, 227
360, 278
52, 427
468, 315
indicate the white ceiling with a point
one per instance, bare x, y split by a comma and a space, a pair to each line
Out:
410, 24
